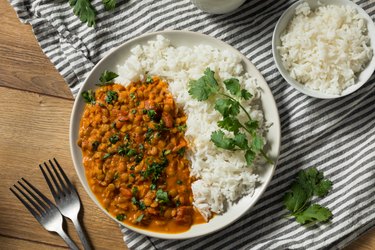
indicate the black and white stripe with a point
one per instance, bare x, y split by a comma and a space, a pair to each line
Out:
337, 136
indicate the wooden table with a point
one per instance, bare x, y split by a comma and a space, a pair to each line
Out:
35, 109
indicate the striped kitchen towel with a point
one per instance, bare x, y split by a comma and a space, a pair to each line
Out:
337, 136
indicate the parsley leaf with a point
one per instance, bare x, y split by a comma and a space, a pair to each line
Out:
221, 141
89, 96
109, 4
308, 183
84, 10
250, 157
106, 78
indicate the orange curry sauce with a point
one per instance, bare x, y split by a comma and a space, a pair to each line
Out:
133, 145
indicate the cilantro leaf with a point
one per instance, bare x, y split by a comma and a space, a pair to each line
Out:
308, 183
109, 4
246, 94
84, 10
314, 213
313, 181
257, 143
106, 78
89, 96
227, 107
250, 157
295, 199
233, 86
162, 196
252, 125
230, 123
240, 141
221, 141
204, 87
111, 96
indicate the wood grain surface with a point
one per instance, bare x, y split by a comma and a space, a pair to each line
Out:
35, 112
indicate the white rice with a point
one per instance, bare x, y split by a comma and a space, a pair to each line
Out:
223, 176
325, 49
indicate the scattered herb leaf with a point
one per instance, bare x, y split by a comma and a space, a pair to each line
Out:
309, 183
89, 96
111, 96
84, 10
106, 78
162, 196
109, 4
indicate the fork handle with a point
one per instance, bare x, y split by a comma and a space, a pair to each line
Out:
67, 240
81, 234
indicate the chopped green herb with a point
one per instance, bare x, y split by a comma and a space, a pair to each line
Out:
151, 113
89, 96
132, 95
134, 191
153, 186
134, 201
106, 78
166, 152
141, 205
308, 183
111, 96
134, 111
181, 151
120, 217
115, 176
95, 145
132, 175
106, 156
182, 128
114, 138
179, 182
149, 134
178, 203
162, 196
139, 218
149, 79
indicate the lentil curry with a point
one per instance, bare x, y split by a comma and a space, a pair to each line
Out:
133, 146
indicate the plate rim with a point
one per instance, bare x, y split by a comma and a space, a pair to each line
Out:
147, 37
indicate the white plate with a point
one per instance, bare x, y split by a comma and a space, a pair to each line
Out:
181, 38
282, 24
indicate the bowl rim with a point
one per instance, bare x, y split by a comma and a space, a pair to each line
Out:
176, 236
283, 22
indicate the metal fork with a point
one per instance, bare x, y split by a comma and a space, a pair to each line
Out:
66, 197
45, 212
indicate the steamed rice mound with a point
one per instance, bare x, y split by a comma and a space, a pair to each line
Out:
222, 176
325, 49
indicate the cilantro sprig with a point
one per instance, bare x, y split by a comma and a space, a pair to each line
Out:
309, 183
86, 11
106, 78
227, 104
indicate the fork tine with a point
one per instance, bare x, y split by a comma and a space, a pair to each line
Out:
59, 176
64, 175
31, 210
54, 194
36, 206
57, 186
40, 203
39, 193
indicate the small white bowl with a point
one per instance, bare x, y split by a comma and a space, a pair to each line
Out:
282, 25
